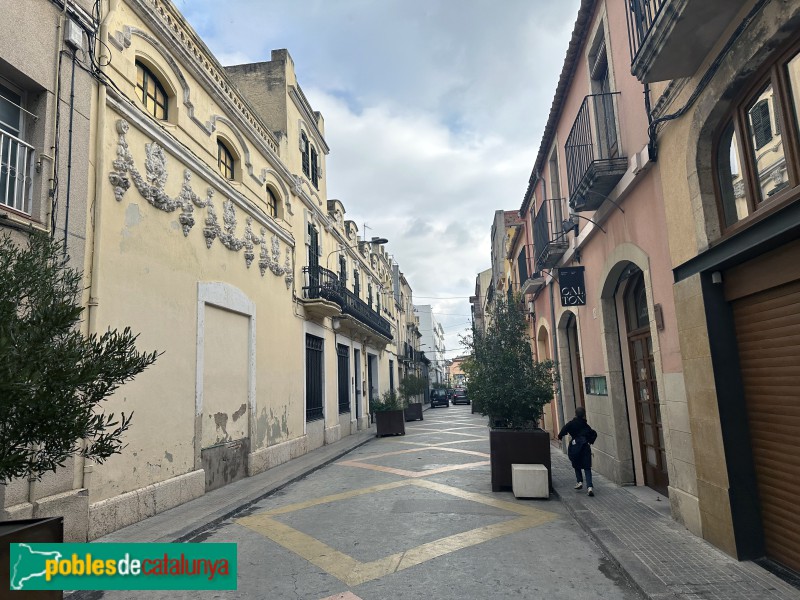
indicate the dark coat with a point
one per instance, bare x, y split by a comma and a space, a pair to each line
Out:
579, 452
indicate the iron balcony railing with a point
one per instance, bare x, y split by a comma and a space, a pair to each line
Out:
550, 241
16, 172
324, 284
593, 151
641, 16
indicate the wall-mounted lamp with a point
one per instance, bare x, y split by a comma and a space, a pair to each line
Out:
570, 224
337, 324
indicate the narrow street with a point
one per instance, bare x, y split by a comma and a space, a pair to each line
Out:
410, 517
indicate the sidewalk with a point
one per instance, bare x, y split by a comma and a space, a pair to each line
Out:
659, 556
188, 520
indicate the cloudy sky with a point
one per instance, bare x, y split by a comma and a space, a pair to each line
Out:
434, 110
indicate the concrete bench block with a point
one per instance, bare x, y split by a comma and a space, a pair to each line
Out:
529, 481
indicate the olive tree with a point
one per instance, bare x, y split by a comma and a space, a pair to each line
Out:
53, 378
505, 383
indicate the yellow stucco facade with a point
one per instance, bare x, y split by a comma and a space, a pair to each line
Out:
241, 281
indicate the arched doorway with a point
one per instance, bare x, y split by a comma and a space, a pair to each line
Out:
543, 349
643, 384
572, 389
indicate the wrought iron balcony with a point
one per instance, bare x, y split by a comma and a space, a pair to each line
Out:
322, 284
550, 241
16, 172
325, 285
530, 281
669, 39
595, 160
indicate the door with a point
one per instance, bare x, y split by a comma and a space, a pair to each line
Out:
357, 371
645, 388
343, 356
313, 257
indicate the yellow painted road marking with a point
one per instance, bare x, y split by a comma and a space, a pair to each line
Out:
353, 572
413, 474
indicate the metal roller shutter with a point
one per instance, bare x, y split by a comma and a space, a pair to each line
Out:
768, 335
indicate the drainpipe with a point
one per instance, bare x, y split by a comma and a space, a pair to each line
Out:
91, 256
559, 398
69, 149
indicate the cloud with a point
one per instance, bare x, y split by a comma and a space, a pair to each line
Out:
433, 111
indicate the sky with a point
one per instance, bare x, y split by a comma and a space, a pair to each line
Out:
434, 111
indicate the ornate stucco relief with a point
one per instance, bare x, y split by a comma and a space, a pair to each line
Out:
151, 188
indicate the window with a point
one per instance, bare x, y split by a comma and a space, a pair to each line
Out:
342, 269
224, 160
314, 168
369, 294
272, 204
314, 346
755, 162
16, 156
522, 267
356, 283
304, 151
151, 92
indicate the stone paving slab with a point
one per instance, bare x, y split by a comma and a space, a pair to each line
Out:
184, 522
663, 559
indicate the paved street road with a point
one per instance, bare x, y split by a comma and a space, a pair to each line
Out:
411, 517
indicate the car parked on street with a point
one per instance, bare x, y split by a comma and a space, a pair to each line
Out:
439, 398
460, 396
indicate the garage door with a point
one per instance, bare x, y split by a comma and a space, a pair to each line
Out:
768, 334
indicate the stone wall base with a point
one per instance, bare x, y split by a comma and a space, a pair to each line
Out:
333, 434
686, 510
72, 505
131, 507
272, 456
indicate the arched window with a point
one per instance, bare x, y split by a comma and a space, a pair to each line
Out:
151, 92
756, 160
224, 160
272, 204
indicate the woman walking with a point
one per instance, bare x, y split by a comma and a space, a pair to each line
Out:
580, 451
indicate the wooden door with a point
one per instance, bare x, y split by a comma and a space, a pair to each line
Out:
645, 388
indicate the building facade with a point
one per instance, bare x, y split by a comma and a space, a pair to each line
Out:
431, 343
662, 225
46, 97
208, 231
592, 264
725, 134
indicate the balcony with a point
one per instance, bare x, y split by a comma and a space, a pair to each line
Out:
595, 161
530, 283
550, 241
325, 296
16, 172
669, 39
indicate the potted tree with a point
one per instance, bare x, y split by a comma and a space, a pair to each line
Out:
509, 387
410, 388
389, 415
53, 378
